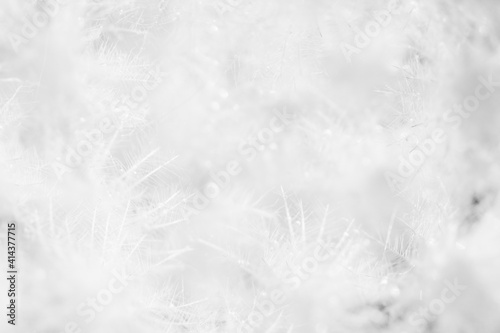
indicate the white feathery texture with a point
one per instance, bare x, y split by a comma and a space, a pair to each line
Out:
251, 165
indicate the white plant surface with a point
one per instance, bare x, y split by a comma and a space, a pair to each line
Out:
267, 166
